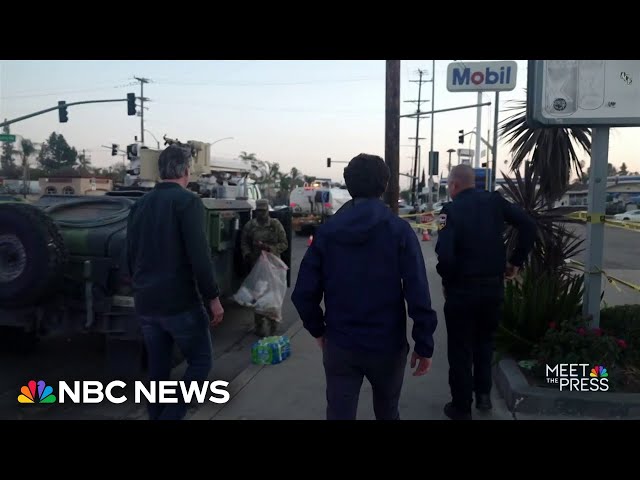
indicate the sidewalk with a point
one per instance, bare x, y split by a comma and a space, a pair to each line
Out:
295, 389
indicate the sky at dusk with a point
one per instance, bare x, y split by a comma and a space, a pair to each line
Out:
296, 113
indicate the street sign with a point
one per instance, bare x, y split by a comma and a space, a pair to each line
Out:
7, 138
482, 76
590, 93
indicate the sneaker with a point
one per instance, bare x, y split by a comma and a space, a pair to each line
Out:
454, 414
483, 401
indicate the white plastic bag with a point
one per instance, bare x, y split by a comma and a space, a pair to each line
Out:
265, 287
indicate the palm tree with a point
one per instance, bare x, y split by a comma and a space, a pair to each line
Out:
550, 150
84, 163
28, 149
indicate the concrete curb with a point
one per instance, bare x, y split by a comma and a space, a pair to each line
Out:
521, 397
209, 411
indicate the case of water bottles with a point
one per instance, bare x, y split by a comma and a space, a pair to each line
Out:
271, 350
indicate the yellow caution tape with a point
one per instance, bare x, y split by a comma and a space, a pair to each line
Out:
595, 218
610, 278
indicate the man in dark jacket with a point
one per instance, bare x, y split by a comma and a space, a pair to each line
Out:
473, 264
172, 276
365, 263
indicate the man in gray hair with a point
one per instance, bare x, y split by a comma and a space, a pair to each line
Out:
172, 276
473, 263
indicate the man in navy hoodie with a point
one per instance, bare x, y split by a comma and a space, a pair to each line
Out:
366, 263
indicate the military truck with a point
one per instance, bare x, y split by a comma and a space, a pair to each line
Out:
63, 270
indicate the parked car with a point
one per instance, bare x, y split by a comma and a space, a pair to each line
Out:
435, 208
404, 208
630, 216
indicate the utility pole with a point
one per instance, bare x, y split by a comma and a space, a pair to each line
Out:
414, 181
392, 132
495, 143
450, 151
478, 124
431, 154
417, 137
142, 81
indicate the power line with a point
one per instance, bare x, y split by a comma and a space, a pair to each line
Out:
61, 92
266, 84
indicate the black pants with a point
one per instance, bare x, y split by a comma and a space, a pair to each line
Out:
345, 371
472, 316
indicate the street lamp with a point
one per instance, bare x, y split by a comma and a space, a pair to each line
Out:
154, 137
213, 143
225, 138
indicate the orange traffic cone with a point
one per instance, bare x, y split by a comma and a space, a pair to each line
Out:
310, 241
425, 236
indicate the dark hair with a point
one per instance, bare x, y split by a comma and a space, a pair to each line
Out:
366, 176
173, 162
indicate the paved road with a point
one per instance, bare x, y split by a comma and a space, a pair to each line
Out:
621, 250
82, 358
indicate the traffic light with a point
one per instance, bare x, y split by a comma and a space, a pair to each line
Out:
114, 149
328, 162
62, 111
461, 137
131, 103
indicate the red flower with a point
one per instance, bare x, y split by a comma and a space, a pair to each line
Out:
552, 325
581, 331
621, 343
597, 332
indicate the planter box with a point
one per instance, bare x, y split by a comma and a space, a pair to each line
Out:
521, 397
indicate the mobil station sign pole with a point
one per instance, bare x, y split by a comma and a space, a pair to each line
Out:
483, 77
597, 94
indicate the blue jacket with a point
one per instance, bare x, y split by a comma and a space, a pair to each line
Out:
365, 263
470, 241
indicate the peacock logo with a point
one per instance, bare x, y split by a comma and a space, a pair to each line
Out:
38, 392
599, 372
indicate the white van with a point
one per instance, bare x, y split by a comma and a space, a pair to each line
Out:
318, 201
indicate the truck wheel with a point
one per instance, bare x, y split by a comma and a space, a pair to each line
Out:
32, 255
16, 340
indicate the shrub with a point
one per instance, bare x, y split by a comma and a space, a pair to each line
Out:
531, 304
573, 342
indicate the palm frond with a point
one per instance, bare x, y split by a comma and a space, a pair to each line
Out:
550, 150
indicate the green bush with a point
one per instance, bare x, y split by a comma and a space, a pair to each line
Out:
531, 304
624, 321
572, 341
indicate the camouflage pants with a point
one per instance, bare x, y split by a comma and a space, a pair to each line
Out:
265, 326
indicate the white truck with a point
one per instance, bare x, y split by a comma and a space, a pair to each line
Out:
312, 205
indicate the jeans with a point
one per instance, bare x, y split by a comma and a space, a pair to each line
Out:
472, 318
345, 370
190, 332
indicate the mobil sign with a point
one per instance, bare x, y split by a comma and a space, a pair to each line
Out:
482, 76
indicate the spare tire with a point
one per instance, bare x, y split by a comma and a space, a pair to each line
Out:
32, 255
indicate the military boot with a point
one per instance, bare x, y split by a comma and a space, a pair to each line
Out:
273, 327
261, 326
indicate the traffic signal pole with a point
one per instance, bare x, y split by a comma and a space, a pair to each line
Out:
57, 107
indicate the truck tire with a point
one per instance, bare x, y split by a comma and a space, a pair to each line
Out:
32, 255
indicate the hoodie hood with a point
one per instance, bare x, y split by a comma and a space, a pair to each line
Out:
353, 223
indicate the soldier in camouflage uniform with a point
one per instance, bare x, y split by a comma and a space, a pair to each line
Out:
263, 233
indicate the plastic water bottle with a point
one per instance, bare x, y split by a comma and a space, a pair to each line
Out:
271, 350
